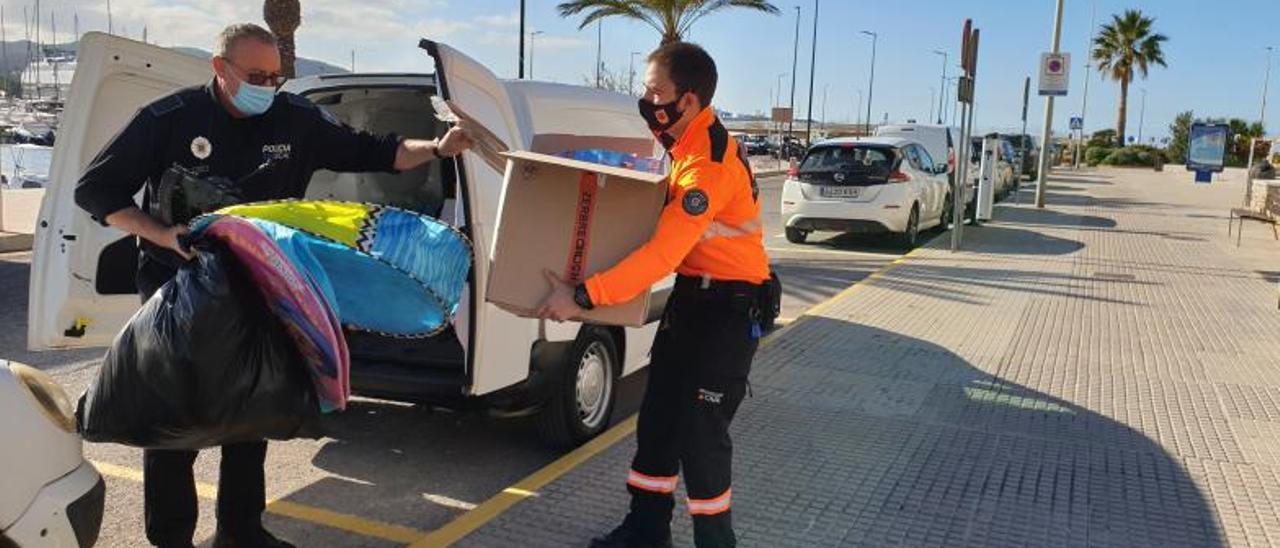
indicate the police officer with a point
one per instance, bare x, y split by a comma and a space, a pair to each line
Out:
238, 127
710, 234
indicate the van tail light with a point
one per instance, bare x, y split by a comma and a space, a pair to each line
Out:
898, 176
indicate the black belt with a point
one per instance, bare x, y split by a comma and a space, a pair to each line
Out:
713, 286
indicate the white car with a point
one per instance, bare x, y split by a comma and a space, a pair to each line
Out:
51, 495
82, 281
866, 185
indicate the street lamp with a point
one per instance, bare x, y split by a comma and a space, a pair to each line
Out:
1142, 113
795, 56
942, 101
532, 35
631, 80
813, 70
1265, 81
871, 84
520, 65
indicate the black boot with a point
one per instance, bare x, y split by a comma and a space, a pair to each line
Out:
626, 536
259, 538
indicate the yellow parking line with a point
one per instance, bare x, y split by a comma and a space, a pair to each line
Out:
302, 512
467, 523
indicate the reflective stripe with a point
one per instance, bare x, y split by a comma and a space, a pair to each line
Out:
665, 484
718, 229
706, 507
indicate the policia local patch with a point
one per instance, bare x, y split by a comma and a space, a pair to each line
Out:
696, 202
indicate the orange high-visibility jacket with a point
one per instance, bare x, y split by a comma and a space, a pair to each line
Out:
709, 227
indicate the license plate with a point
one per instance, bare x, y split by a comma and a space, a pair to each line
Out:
841, 191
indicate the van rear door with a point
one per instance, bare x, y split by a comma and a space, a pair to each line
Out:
82, 288
504, 343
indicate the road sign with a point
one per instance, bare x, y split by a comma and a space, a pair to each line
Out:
782, 115
1077, 123
1054, 71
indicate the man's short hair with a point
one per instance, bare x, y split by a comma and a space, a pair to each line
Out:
690, 68
233, 34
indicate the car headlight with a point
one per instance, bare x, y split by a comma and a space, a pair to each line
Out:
50, 396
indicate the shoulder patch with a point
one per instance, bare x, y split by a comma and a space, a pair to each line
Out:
298, 100
165, 105
696, 202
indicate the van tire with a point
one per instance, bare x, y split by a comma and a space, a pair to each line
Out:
796, 236
592, 365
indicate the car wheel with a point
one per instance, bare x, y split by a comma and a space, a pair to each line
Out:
911, 237
796, 236
944, 218
582, 401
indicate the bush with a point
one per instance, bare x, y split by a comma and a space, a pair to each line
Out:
1094, 155
1137, 155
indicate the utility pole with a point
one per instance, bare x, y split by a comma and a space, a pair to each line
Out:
943, 99
599, 45
53, 22
1023, 137
39, 48
520, 70
1266, 80
4, 51
75, 25
631, 79
1084, 104
110, 28
813, 65
795, 57
1142, 113
1046, 133
532, 36
871, 85
353, 61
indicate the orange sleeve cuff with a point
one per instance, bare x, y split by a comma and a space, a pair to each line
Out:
595, 289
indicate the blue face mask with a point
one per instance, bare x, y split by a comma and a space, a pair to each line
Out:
253, 100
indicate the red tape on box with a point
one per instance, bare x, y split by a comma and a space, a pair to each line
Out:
580, 243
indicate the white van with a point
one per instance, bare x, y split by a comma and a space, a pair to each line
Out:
942, 143
82, 288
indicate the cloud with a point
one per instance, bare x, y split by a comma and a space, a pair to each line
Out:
508, 20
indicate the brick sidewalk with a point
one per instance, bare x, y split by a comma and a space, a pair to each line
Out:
1102, 372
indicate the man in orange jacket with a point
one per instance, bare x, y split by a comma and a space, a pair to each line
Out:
711, 235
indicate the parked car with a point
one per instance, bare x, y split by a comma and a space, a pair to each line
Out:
866, 185
52, 496
757, 145
941, 142
1026, 143
1004, 175
82, 282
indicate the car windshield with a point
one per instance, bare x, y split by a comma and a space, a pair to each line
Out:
847, 158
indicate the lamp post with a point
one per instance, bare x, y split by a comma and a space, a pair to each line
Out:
813, 67
777, 101
795, 57
1142, 113
631, 79
532, 35
942, 101
520, 69
1266, 80
871, 85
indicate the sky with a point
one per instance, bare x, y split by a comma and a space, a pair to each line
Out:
1216, 50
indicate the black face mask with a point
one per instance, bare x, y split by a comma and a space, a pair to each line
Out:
660, 119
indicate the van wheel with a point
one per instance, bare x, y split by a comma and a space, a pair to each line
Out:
796, 236
582, 402
911, 237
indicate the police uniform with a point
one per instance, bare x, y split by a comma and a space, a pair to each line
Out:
192, 129
710, 234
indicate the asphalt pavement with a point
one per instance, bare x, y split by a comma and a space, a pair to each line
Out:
388, 472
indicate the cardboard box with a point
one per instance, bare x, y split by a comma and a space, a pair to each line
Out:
574, 218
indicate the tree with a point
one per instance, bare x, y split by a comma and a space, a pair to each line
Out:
1103, 138
1180, 133
1124, 48
609, 80
284, 17
672, 18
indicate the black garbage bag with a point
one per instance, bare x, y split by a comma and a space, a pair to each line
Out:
203, 363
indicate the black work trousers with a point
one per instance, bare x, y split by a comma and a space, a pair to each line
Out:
697, 378
169, 487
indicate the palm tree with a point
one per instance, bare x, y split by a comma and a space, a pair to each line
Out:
1125, 47
284, 17
670, 17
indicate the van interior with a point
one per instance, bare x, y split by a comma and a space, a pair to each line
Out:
394, 366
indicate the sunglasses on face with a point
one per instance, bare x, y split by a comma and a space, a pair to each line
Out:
259, 78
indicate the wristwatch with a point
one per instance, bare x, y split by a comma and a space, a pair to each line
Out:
582, 297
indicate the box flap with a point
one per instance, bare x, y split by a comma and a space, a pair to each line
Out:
642, 176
